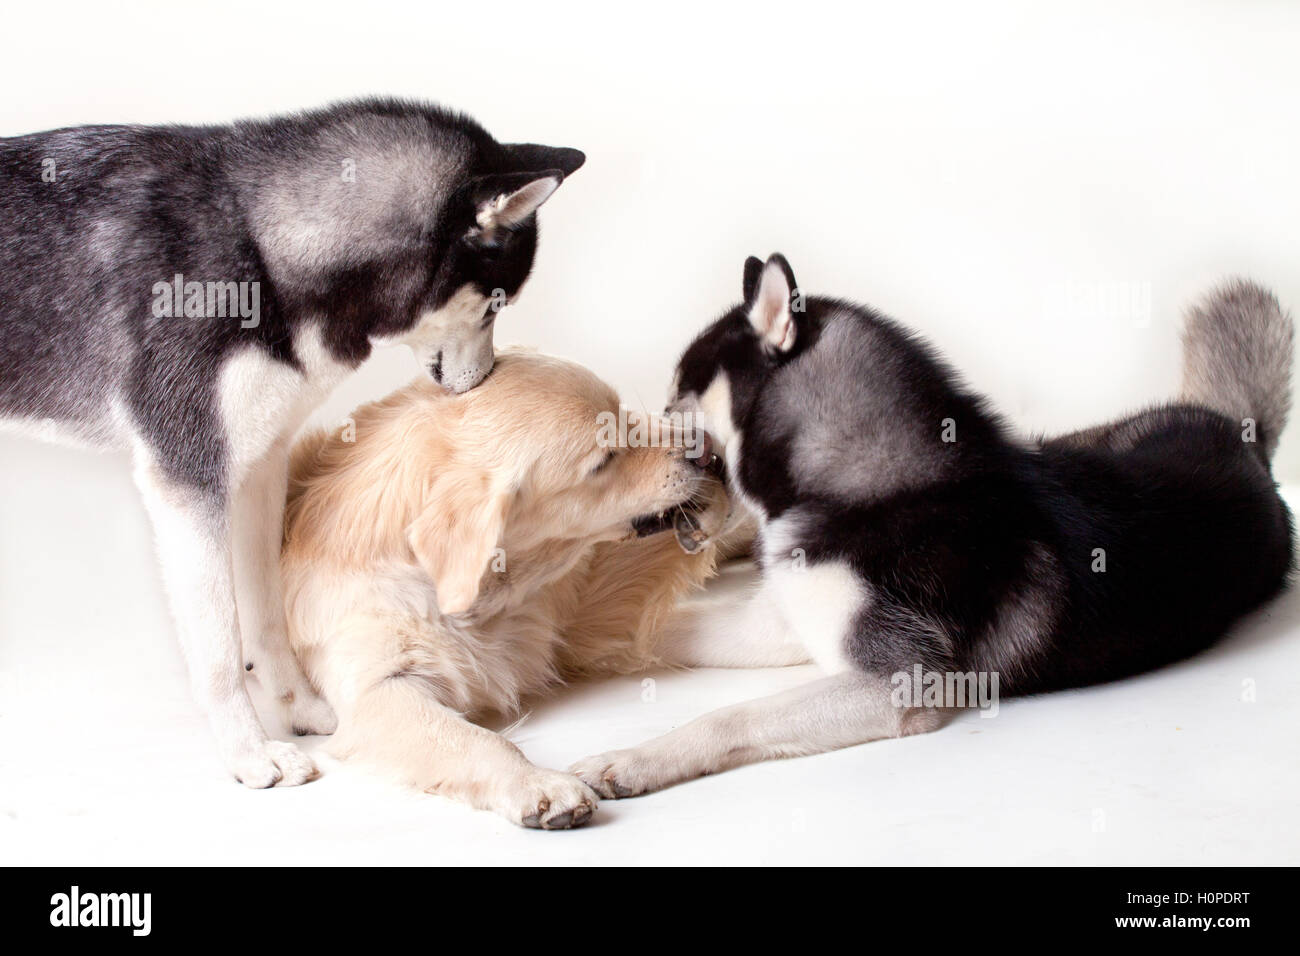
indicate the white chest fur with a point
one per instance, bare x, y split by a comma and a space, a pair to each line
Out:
264, 401
818, 601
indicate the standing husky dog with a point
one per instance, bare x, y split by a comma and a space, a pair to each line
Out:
902, 526
192, 293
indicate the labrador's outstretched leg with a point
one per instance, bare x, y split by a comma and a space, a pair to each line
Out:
753, 633
398, 723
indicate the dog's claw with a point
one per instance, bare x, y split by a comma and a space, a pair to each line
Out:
557, 801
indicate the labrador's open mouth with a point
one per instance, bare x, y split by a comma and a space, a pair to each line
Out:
681, 518
647, 525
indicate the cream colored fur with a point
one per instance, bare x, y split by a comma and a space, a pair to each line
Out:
465, 552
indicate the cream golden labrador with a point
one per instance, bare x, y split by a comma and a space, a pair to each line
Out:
461, 552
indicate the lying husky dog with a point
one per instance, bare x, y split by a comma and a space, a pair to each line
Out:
901, 525
461, 552
191, 293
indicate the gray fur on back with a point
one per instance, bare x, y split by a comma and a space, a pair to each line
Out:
862, 439
1237, 348
355, 220
306, 216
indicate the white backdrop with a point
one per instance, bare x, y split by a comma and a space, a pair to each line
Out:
1039, 188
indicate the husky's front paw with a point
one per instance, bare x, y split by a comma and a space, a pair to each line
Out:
622, 773
309, 713
272, 763
548, 800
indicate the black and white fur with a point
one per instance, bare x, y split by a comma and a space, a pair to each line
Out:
883, 546
363, 224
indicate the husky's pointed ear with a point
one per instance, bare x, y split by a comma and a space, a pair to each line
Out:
773, 303
503, 201
749, 284
456, 536
532, 157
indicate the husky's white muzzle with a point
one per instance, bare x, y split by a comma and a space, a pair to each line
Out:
454, 343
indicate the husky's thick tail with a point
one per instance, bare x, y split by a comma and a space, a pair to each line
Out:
1237, 345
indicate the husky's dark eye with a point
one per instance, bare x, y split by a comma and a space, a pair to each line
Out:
604, 462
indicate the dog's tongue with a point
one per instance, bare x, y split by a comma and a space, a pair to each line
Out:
690, 535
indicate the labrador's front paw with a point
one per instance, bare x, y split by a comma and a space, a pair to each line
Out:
548, 800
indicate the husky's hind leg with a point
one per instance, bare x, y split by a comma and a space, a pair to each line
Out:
192, 528
258, 528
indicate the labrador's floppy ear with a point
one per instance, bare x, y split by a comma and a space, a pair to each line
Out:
771, 306
456, 534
